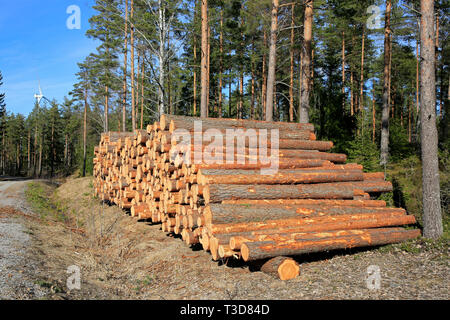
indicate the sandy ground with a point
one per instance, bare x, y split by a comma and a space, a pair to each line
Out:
16, 265
122, 258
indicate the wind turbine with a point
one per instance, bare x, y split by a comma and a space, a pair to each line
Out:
40, 96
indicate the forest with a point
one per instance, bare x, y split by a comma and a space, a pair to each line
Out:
352, 68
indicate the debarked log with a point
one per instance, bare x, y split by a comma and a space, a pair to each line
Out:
282, 178
372, 237
172, 122
324, 223
281, 267
230, 213
385, 220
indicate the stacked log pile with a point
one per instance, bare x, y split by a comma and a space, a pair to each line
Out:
313, 202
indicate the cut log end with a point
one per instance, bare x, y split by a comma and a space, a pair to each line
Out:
282, 267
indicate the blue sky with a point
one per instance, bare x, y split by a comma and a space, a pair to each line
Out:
35, 43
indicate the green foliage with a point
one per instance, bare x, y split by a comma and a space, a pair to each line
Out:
41, 198
363, 151
399, 146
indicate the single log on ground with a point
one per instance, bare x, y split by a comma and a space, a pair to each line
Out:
371, 237
281, 267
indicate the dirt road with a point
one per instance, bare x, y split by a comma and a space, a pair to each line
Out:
16, 264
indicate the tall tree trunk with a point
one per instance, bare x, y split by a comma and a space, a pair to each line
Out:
208, 73
306, 74
133, 102
229, 93
29, 152
106, 108
432, 218
417, 76
136, 99
220, 62
169, 89
373, 113
300, 63
125, 62
361, 88
204, 62
390, 100
272, 61
161, 56
66, 148
385, 110
241, 92
194, 112
401, 116
264, 79
142, 92
291, 87
252, 101
85, 131
409, 122
352, 108
34, 149
40, 157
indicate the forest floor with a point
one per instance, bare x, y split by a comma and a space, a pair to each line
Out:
121, 258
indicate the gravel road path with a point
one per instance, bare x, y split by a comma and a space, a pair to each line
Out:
16, 266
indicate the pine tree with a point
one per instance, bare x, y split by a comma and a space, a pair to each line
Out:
432, 218
106, 27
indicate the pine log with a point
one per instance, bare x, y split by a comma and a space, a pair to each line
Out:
283, 164
231, 213
218, 192
371, 237
281, 267
173, 122
252, 156
254, 144
324, 223
224, 251
356, 203
237, 240
282, 178
282, 134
